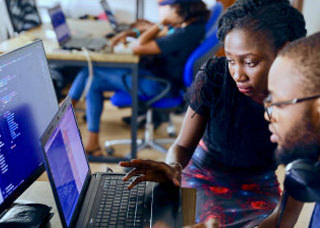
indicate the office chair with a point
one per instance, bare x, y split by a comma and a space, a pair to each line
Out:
216, 11
161, 102
6, 29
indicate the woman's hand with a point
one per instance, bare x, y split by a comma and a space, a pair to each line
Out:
153, 171
120, 37
211, 223
142, 25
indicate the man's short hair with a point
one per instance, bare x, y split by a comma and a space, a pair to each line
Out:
305, 54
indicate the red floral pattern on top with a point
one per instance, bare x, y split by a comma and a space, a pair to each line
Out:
219, 189
200, 176
250, 187
233, 199
259, 205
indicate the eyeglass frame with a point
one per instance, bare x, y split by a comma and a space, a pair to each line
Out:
268, 104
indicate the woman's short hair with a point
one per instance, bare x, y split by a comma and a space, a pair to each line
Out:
189, 10
276, 19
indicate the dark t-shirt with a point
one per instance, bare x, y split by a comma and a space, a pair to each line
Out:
237, 134
175, 50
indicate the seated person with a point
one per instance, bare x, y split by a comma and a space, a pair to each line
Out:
164, 53
224, 144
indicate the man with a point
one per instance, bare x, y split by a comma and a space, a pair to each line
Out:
295, 124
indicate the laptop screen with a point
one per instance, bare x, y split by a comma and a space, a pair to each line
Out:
109, 14
59, 24
67, 162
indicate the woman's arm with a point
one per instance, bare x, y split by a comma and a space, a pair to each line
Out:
146, 42
150, 48
149, 35
180, 153
190, 134
289, 218
121, 37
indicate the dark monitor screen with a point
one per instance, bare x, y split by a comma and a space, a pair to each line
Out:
27, 105
24, 14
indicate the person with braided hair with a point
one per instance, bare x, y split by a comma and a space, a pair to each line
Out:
223, 146
163, 49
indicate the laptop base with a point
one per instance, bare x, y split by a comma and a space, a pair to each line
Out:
109, 203
93, 44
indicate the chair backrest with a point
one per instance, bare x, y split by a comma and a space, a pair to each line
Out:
207, 48
6, 29
216, 11
24, 14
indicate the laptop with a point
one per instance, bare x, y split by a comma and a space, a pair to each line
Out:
64, 37
100, 199
113, 22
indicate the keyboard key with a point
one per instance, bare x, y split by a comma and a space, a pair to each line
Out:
119, 206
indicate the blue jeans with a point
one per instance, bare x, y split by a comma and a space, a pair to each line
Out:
108, 79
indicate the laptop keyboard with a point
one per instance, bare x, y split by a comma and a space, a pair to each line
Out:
119, 206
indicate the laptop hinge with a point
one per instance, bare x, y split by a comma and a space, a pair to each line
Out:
87, 206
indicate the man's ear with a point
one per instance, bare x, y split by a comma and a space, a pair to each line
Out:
318, 105
316, 112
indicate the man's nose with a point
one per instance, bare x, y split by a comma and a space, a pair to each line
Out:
266, 116
269, 118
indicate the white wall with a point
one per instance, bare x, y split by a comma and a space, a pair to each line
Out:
123, 9
311, 12
151, 8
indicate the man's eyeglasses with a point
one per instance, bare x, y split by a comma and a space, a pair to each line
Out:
268, 104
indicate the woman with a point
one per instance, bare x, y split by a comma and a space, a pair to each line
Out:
224, 144
164, 49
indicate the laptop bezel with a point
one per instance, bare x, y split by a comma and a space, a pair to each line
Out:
44, 139
69, 37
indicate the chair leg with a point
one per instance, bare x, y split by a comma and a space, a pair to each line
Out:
120, 142
148, 142
171, 129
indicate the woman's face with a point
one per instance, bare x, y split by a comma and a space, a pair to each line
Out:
249, 59
169, 16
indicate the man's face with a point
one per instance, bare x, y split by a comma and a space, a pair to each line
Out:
292, 125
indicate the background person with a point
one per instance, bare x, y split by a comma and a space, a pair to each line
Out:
163, 55
224, 144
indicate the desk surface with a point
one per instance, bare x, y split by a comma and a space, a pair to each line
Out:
40, 192
57, 56
80, 28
